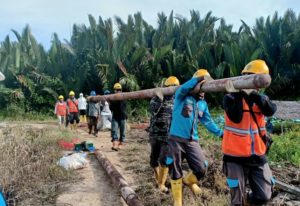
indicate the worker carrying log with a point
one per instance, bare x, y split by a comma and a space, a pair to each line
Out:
189, 109
245, 142
118, 123
161, 108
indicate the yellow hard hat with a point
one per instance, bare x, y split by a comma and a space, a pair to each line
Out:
203, 73
172, 81
117, 86
256, 67
61, 97
72, 93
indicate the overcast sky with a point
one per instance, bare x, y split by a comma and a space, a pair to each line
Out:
48, 16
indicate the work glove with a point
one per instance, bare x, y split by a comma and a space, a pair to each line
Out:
159, 94
229, 87
258, 99
249, 91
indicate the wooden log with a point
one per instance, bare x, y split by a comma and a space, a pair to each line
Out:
118, 180
288, 188
232, 84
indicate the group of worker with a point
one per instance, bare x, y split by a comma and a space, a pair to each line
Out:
174, 137
110, 115
68, 112
75, 111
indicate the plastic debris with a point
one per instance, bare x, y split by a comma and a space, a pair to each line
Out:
73, 161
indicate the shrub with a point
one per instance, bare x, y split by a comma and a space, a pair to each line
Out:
29, 173
286, 147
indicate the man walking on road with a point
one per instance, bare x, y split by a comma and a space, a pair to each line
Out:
161, 113
61, 110
82, 108
106, 116
118, 109
244, 142
72, 110
183, 141
93, 112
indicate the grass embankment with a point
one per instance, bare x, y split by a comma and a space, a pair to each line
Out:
29, 173
286, 147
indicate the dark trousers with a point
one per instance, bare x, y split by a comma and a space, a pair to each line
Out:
260, 181
159, 153
73, 116
92, 122
192, 152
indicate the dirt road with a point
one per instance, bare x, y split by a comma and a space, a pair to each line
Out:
95, 187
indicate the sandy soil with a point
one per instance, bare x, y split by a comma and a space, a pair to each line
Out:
95, 188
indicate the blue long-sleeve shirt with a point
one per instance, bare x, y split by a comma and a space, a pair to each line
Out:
188, 112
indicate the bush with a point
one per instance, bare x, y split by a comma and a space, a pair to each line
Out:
285, 125
286, 147
14, 112
29, 173
138, 110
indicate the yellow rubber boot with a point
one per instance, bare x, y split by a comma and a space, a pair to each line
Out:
191, 181
163, 175
72, 126
81, 118
156, 174
176, 186
84, 118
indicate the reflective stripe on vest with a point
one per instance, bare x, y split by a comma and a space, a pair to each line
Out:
243, 139
241, 131
72, 105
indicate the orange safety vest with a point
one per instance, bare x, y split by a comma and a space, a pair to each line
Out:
72, 105
61, 108
243, 139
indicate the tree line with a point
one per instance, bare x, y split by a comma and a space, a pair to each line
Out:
140, 56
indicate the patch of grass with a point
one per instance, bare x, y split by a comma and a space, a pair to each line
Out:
285, 126
138, 110
28, 116
15, 112
28, 165
286, 147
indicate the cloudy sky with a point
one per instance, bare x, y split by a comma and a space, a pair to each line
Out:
48, 16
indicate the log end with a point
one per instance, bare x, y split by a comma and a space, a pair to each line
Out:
262, 80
